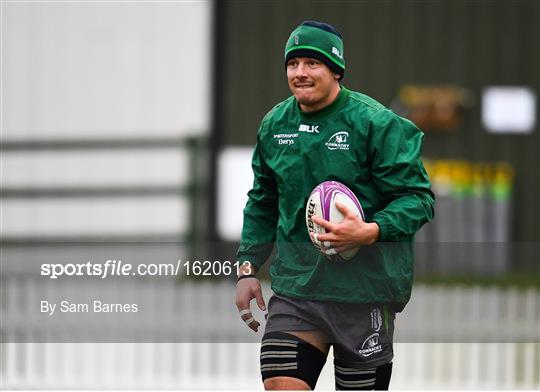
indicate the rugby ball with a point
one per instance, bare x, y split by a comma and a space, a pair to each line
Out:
322, 203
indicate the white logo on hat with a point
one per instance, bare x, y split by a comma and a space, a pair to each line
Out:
336, 52
296, 40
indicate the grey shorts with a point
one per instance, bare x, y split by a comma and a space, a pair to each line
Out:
361, 334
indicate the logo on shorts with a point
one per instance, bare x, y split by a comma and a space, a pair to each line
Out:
376, 319
370, 346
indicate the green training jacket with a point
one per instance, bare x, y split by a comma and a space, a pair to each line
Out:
373, 151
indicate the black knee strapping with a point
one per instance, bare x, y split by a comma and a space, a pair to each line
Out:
353, 379
285, 355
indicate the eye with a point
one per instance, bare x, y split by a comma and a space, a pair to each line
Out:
314, 63
292, 63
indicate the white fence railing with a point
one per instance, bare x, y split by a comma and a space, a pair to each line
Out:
447, 338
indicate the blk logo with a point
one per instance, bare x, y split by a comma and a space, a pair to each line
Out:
309, 128
336, 52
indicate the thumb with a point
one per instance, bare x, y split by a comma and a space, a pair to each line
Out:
260, 300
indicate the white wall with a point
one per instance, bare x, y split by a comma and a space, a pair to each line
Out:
82, 70
105, 69
235, 179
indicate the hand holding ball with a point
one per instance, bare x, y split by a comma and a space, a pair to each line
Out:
322, 203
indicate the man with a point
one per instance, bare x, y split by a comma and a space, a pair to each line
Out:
318, 302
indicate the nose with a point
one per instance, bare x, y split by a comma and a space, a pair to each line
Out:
301, 70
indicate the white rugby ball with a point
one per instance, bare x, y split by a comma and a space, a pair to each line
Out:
322, 203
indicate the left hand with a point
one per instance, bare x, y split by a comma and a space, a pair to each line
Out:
351, 232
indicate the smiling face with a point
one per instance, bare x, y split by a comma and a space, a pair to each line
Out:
312, 83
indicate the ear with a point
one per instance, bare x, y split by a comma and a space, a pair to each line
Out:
337, 76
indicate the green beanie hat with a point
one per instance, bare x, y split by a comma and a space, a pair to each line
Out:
317, 40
